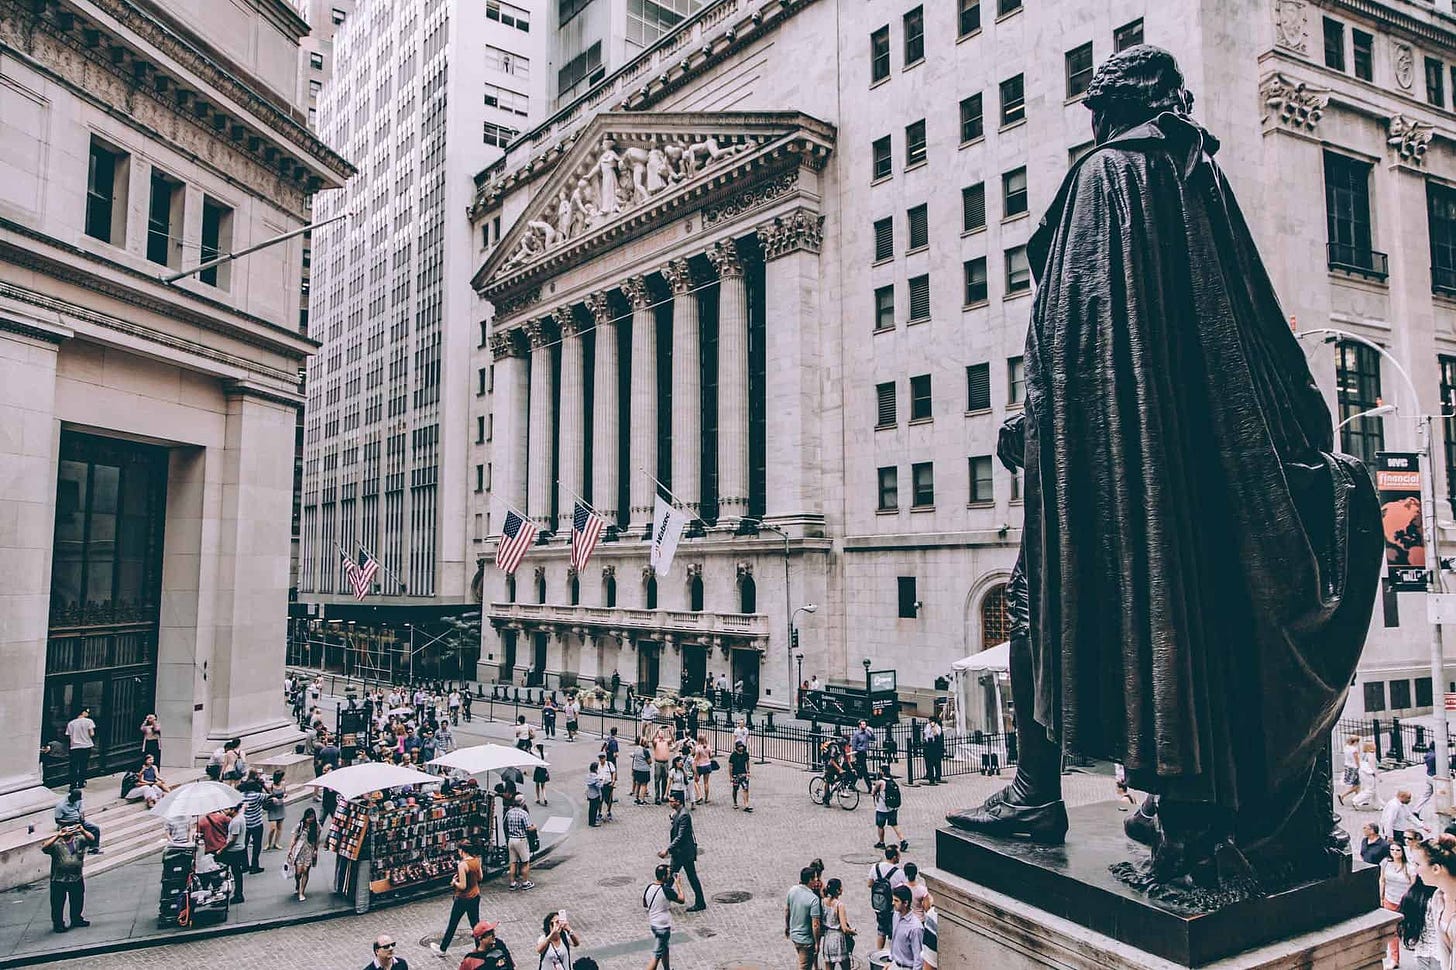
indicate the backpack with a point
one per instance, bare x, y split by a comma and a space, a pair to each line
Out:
128, 782
881, 892
892, 794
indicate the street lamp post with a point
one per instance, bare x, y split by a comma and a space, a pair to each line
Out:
1434, 579
794, 642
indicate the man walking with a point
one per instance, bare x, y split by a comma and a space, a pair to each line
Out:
607, 775
887, 808
81, 733
682, 851
252, 789
804, 919
906, 943
67, 849
738, 773
518, 844
661, 757
859, 746
1396, 819
466, 884
665, 888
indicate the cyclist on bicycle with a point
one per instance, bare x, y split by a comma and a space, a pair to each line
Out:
833, 767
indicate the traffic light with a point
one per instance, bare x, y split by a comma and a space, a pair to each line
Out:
794, 638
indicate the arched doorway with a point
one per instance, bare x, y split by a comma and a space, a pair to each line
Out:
995, 620
747, 595
695, 594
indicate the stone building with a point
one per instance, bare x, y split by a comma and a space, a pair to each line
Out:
147, 424
414, 99
820, 214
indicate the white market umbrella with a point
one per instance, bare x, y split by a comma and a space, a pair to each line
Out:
480, 758
197, 798
401, 710
356, 780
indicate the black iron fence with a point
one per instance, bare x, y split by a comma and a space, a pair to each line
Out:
1394, 741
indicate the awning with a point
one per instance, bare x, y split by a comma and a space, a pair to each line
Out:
356, 780
996, 658
480, 758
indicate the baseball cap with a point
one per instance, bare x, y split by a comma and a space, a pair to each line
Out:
484, 927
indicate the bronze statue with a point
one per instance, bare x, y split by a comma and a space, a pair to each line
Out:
1198, 565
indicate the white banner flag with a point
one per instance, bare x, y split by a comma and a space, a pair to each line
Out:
667, 528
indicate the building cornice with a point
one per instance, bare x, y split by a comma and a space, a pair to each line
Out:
1432, 31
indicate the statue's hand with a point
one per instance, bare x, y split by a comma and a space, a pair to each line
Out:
1011, 442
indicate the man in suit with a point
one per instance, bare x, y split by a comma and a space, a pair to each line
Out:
683, 850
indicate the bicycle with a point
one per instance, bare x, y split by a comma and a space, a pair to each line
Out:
843, 791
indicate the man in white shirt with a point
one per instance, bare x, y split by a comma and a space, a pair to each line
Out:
665, 889
814, 682
81, 735
1397, 819
740, 733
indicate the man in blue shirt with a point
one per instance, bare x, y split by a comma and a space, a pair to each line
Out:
859, 746
906, 943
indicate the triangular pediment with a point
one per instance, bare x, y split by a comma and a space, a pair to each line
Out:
627, 172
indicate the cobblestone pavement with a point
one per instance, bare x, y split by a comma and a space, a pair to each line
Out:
598, 877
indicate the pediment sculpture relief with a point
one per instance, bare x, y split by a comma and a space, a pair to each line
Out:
621, 175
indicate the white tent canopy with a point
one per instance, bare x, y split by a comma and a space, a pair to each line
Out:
996, 658
197, 798
979, 705
480, 758
356, 780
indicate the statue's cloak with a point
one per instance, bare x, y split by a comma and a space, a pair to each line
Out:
1201, 565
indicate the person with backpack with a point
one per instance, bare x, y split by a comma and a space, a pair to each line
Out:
666, 888
887, 808
884, 877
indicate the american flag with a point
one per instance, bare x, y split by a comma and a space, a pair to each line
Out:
586, 531
516, 537
360, 576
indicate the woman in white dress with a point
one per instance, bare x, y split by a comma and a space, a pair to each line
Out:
1396, 877
1368, 797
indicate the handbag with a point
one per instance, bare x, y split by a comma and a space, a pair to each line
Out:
533, 840
714, 766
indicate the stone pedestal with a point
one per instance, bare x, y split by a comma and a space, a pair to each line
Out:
1015, 906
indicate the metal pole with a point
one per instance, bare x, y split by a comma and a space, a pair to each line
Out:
1442, 781
174, 277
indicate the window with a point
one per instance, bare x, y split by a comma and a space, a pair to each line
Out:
339, 16
915, 143
480, 478
1013, 100
1347, 211
508, 62
647, 20
316, 60
217, 240
1357, 386
497, 135
882, 164
920, 298
880, 54
1400, 694
1364, 61
1015, 381
566, 9
1334, 44
889, 492
1128, 35
314, 87
1374, 691
1005, 7
695, 594
918, 219
1018, 271
980, 467
972, 123
652, 592
975, 273
583, 69
507, 100
1435, 82
1448, 424
480, 429
1079, 70
922, 479
1423, 692
1441, 223
920, 409
1018, 483
507, 14
609, 596
1013, 193
885, 308
885, 405
106, 194
995, 618
164, 221
973, 207
480, 381
978, 387
914, 29
884, 238
905, 593
968, 20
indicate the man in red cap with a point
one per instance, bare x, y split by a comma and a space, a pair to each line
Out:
489, 953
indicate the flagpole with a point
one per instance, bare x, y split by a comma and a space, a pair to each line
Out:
670, 493
590, 508
507, 505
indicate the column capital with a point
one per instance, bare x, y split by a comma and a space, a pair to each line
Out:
791, 232
634, 288
505, 343
725, 259
540, 331
679, 276
599, 308
568, 322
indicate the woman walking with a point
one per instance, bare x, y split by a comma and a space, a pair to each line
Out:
702, 767
837, 944
1396, 877
1351, 774
303, 851
540, 776
1369, 796
274, 793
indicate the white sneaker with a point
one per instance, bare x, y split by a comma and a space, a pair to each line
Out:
435, 949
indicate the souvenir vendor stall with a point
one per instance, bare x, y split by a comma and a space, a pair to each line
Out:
481, 759
397, 829
195, 888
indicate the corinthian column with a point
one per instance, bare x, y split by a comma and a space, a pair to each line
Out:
687, 388
642, 447
543, 421
509, 409
571, 459
605, 408
732, 382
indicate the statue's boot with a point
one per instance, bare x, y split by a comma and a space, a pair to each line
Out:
1195, 846
1142, 825
1031, 806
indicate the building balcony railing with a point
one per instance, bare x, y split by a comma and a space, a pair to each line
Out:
1359, 260
684, 626
1443, 280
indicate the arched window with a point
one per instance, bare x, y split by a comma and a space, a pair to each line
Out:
652, 592
995, 622
695, 594
511, 588
609, 593
575, 587
541, 589
747, 596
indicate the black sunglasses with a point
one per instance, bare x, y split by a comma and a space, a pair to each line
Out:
384, 946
